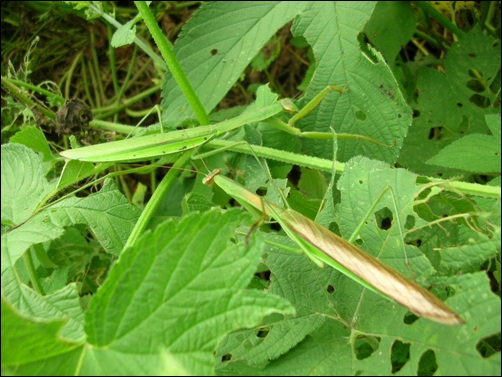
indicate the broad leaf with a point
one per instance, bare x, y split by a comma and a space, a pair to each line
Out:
165, 306
453, 104
373, 104
216, 45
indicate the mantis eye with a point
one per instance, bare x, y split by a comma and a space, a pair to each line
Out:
289, 106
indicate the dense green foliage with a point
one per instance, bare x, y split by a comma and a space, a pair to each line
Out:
117, 268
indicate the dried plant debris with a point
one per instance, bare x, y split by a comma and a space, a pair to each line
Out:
74, 115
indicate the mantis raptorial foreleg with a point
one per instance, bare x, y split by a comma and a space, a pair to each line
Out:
307, 109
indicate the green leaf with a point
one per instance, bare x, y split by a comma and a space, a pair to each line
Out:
470, 256
493, 123
107, 212
29, 340
373, 104
75, 171
110, 217
475, 153
181, 289
361, 186
353, 317
330, 350
391, 26
276, 337
125, 34
34, 139
216, 45
23, 183
453, 104
165, 306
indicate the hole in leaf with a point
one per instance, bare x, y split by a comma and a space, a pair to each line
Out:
263, 275
262, 333
361, 181
400, 354
489, 346
226, 357
330, 289
261, 192
361, 115
459, 105
214, 51
275, 226
359, 242
435, 133
364, 346
409, 318
480, 101
363, 46
416, 243
384, 218
471, 55
416, 113
399, 116
294, 175
410, 222
427, 365
475, 86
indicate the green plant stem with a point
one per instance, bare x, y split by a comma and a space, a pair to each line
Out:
95, 61
111, 57
112, 109
37, 89
70, 75
168, 55
94, 83
426, 37
142, 45
142, 68
473, 188
125, 83
86, 85
16, 92
157, 197
420, 47
326, 165
115, 127
137, 114
277, 155
490, 16
442, 20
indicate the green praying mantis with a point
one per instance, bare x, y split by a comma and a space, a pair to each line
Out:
160, 144
316, 241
